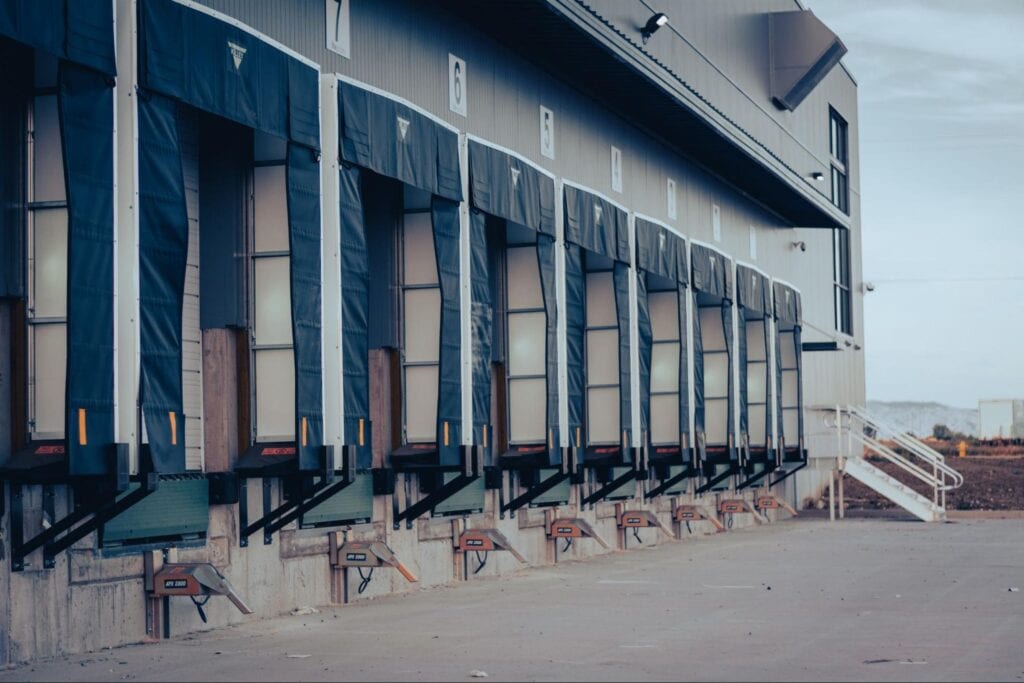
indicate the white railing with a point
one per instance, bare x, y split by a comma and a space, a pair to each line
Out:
855, 426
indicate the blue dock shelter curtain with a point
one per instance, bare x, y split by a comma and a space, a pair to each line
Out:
77, 31
502, 185
389, 138
711, 275
191, 57
81, 35
594, 224
788, 315
661, 252
754, 298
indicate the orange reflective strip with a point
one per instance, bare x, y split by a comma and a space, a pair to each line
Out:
174, 427
551, 438
577, 437
83, 439
485, 436
445, 433
303, 431
362, 439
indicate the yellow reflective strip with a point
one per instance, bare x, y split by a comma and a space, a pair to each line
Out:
446, 433
303, 431
83, 439
362, 438
174, 427
485, 436
577, 437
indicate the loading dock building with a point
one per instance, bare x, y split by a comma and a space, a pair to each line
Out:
275, 277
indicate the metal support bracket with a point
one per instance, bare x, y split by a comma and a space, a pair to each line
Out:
666, 484
715, 481
599, 494
77, 524
535, 492
420, 507
470, 472
49, 541
788, 474
274, 520
750, 481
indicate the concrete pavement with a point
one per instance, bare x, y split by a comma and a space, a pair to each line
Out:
877, 599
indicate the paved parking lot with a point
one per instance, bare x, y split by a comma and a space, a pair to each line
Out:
863, 599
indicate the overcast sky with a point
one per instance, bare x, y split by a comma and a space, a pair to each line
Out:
941, 91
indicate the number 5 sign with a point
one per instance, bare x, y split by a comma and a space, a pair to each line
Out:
336, 13
457, 84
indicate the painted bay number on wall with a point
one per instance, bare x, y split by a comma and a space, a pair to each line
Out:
457, 95
547, 132
336, 15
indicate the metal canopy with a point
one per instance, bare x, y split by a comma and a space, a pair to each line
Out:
625, 80
803, 50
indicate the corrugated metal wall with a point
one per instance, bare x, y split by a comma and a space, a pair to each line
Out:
402, 47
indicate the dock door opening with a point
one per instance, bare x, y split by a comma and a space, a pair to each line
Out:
597, 276
713, 359
514, 324
789, 387
57, 241
663, 303
754, 302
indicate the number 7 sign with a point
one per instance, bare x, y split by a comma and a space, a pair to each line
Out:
337, 26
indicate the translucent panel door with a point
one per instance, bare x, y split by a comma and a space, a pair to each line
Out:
716, 376
664, 312
47, 267
602, 352
271, 327
527, 355
421, 321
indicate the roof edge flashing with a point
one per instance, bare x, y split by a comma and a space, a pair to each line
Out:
802, 51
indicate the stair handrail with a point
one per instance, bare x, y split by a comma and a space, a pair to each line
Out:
909, 443
892, 456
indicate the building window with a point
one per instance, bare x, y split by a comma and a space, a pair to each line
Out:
841, 268
838, 148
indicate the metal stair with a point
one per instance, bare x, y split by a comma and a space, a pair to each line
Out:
860, 433
890, 487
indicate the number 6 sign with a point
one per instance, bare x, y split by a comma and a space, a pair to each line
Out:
457, 84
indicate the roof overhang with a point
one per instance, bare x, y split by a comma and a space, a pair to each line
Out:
563, 39
803, 50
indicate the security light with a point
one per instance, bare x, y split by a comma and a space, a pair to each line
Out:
818, 176
801, 245
653, 24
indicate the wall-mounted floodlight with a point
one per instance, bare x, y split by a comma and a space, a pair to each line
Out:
801, 245
653, 24
817, 176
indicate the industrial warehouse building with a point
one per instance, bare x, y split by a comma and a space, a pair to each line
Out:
282, 280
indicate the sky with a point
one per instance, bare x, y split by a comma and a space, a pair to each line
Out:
941, 104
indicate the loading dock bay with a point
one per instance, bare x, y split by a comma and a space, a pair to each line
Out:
878, 599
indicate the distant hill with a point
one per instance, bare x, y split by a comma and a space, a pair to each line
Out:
920, 417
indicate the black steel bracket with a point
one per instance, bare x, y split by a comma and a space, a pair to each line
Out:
788, 474
599, 495
717, 480
273, 520
750, 481
666, 484
535, 492
49, 541
77, 524
470, 472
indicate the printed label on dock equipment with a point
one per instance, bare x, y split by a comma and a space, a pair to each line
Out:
356, 557
175, 583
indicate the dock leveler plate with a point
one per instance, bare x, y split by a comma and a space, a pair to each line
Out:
194, 580
693, 513
485, 541
735, 506
574, 528
774, 503
366, 554
641, 519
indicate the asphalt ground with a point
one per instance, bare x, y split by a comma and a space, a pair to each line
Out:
861, 599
